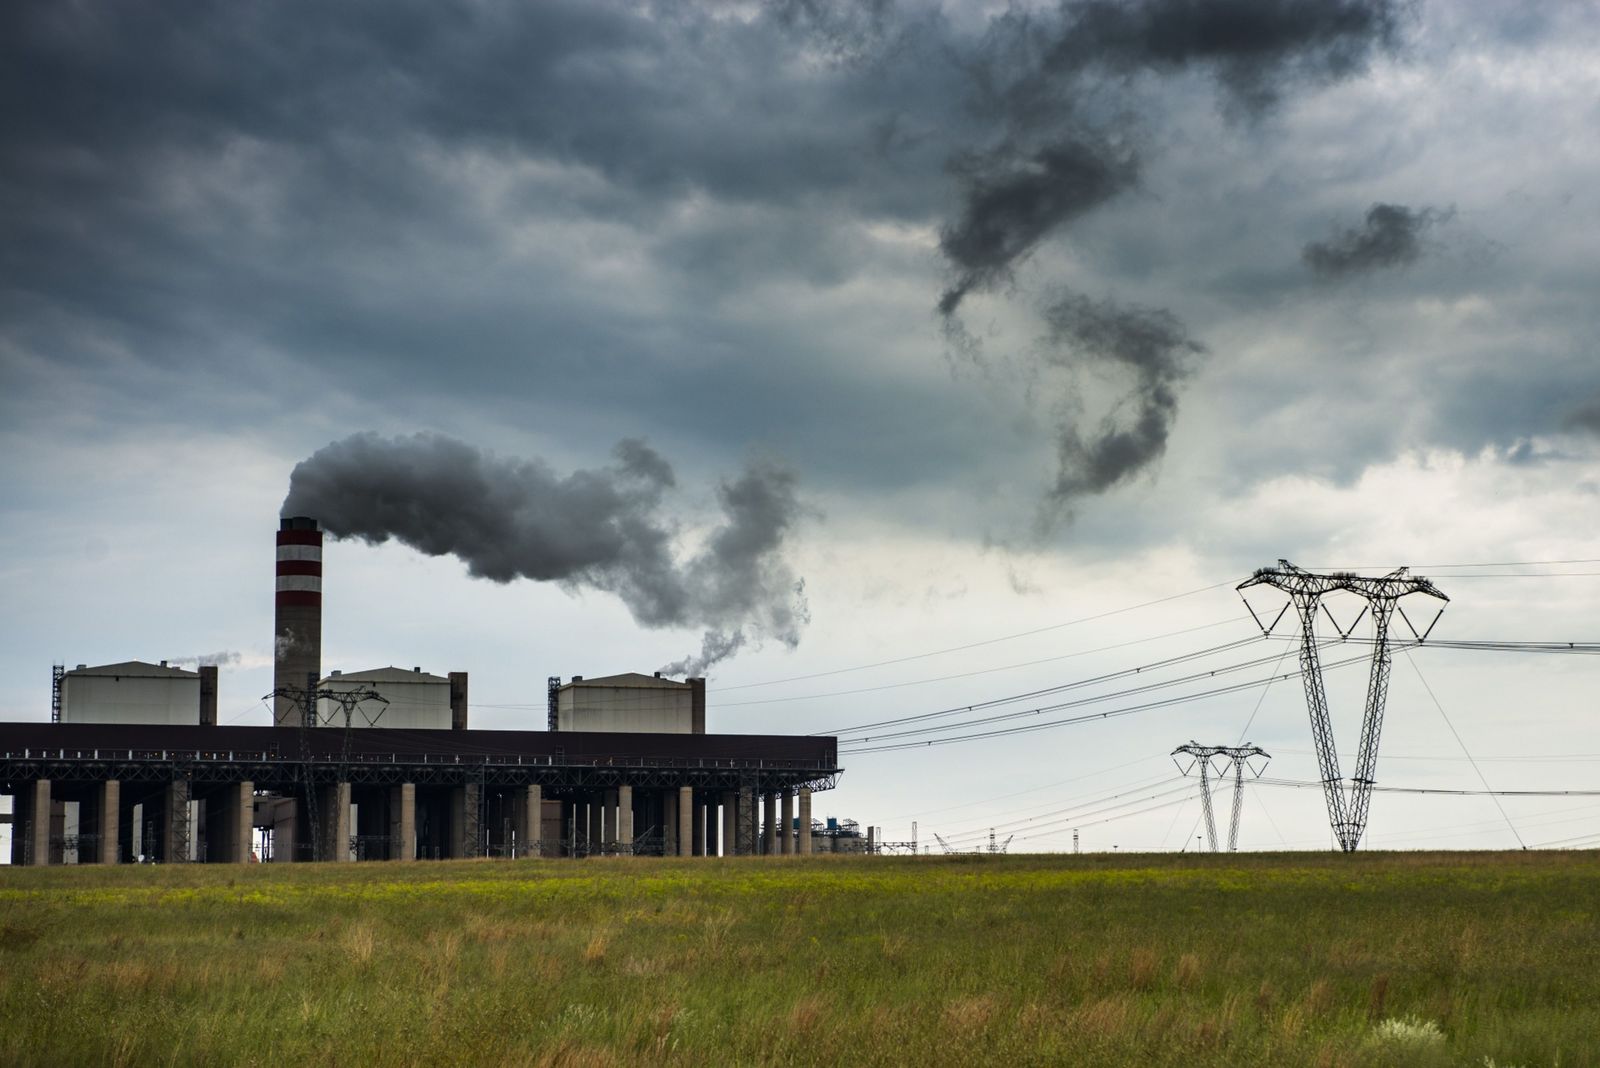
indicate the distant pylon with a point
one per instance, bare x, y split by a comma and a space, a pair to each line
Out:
1347, 815
1240, 756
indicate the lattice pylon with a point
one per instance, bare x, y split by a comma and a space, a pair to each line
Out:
1347, 806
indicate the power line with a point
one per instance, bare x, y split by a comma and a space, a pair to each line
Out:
979, 671
1093, 680
1477, 770
980, 644
1067, 817
1113, 713
1447, 567
923, 813
1303, 784
1479, 645
989, 822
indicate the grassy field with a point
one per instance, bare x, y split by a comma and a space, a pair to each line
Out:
1469, 959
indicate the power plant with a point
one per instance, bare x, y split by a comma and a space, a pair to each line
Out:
382, 765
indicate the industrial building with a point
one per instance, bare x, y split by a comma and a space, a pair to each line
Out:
381, 764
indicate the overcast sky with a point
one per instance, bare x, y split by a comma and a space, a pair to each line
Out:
806, 336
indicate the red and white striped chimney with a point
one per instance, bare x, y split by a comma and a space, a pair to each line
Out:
297, 616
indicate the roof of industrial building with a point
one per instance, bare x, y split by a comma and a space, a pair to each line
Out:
627, 679
137, 669
385, 674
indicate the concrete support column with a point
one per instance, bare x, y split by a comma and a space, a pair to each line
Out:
786, 822
805, 821
608, 821
240, 806
403, 821
464, 824
596, 831
175, 829
334, 801
698, 843
531, 829
110, 802
669, 822
769, 815
625, 820
730, 824
285, 828
37, 828
686, 821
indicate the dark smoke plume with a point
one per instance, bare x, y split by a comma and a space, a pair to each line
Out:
1012, 200
1010, 205
1152, 345
1390, 237
1256, 47
602, 529
1043, 83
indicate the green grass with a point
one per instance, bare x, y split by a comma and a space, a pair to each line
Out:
1258, 959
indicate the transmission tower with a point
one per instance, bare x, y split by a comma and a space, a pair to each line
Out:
306, 701
1346, 813
1203, 757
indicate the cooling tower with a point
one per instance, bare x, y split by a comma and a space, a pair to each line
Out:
297, 618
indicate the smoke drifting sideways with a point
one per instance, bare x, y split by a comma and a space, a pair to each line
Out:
507, 518
1013, 198
1391, 236
226, 658
1045, 80
1151, 345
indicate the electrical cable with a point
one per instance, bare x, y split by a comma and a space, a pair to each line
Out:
1062, 688
1463, 745
990, 824
987, 641
1114, 713
980, 671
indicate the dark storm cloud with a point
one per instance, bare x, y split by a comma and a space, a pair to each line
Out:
602, 529
1151, 346
1040, 69
1391, 236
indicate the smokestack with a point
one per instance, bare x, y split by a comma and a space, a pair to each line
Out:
297, 629
458, 700
697, 706
208, 695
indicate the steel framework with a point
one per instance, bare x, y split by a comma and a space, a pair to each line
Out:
306, 700
1202, 757
1347, 813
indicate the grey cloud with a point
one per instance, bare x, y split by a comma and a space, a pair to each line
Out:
1149, 344
1391, 236
602, 529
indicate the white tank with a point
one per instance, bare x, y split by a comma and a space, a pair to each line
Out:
130, 692
417, 700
